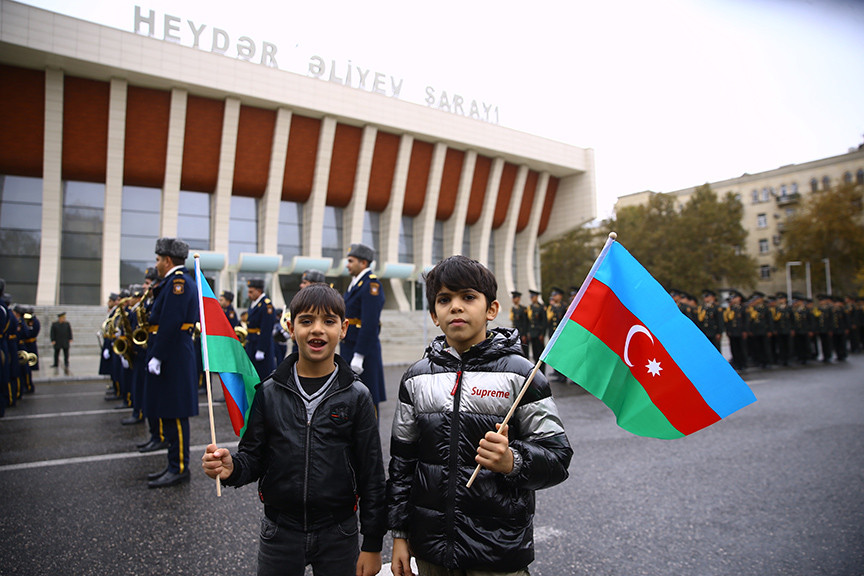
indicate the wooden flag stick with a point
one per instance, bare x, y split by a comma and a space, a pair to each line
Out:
199, 277
212, 426
509, 414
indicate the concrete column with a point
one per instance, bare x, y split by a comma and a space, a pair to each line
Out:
313, 211
352, 216
173, 164
506, 235
454, 228
268, 208
391, 219
220, 202
112, 217
526, 241
48, 287
424, 223
481, 231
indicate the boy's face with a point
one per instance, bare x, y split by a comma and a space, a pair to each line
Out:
462, 316
317, 333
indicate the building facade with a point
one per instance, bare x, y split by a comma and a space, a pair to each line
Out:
768, 199
111, 138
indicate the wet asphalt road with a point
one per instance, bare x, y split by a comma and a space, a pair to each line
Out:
777, 488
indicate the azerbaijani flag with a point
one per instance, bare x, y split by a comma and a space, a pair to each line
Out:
222, 352
625, 341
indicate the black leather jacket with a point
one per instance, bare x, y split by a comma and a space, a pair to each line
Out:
312, 474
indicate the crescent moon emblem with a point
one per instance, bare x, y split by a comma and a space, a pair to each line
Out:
635, 329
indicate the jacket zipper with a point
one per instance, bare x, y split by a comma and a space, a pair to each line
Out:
453, 464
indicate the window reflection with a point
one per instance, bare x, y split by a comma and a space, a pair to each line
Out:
20, 235
243, 228
193, 221
138, 233
81, 254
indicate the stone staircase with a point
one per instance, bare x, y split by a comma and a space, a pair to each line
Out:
85, 321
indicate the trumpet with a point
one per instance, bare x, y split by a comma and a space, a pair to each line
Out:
28, 358
241, 334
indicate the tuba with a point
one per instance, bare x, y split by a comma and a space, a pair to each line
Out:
28, 358
123, 344
241, 334
141, 334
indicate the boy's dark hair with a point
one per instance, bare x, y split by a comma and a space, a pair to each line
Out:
460, 273
317, 297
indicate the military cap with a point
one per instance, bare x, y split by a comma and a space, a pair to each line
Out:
780, 295
735, 294
798, 296
172, 247
113, 296
151, 274
556, 290
574, 290
362, 252
255, 283
125, 293
19, 309
229, 296
533, 292
314, 276
708, 292
757, 294
515, 293
61, 314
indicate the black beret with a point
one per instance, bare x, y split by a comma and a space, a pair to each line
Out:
172, 247
229, 296
256, 283
362, 252
314, 276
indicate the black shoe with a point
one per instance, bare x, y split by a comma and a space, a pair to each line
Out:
153, 447
143, 444
123, 406
169, 479
110, 397
157, 475
131, 420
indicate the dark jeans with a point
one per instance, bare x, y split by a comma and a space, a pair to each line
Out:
332, 550
65, 356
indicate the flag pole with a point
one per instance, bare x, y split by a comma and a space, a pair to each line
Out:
206, 361
609, 240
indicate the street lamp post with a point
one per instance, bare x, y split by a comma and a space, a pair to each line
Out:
789, 279
809, 287
827, 262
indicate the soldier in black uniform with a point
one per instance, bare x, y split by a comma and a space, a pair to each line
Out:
536, 325
760, 325
5, 388
783, 330
709, 317
32, 327
824, 315
853, 313
840, 329
735, 324
802, 328
519, 320
259, 327
226, 301
106, 360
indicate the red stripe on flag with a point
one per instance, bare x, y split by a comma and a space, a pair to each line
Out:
601, 313
217, 322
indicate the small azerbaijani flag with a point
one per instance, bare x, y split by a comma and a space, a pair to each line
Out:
626, 342
222, 352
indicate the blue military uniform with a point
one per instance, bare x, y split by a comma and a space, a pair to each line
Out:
363, 305
260, 318
4, 352
32, 329
172, 395
229, 311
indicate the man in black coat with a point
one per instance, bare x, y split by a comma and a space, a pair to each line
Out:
61, 338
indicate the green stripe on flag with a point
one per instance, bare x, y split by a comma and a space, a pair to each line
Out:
586, 360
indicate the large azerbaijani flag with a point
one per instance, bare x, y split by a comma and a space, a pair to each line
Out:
624, 340
222, 352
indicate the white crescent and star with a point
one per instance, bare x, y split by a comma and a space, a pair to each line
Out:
653, 365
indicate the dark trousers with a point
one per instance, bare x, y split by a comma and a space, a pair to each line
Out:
760, 349
65, 350
782, 343
802, 347
537, 344
176, 432
839, 342
332, 550
825, 340
739, 356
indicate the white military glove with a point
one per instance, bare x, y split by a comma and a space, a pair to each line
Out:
154, 366
124, 362
357, 364
106, 354
259, 355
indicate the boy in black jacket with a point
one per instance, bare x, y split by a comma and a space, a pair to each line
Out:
312, 444
450, 403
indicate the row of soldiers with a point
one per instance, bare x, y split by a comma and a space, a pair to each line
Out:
765, 330
536, 322
19, 354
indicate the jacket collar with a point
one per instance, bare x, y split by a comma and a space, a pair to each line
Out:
284, 373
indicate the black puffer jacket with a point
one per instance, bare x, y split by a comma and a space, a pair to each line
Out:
446, 405
312, 475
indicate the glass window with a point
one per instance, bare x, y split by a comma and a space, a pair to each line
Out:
81, 253
193, 219
761, 221
466, 243
826, 183
438, 242
783, 191
765, 195
371, 231
763, 246
765, 272
859, 176
490, 262
406, 239
243, 228
794, 188
20, 235
847, 178
138, 232
331, 246
755, 195
290, 241
814, 185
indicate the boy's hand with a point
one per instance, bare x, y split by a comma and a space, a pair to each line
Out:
217, 462
369, 563
494, 451
401, 562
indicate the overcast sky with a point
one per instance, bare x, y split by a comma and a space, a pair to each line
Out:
669, 93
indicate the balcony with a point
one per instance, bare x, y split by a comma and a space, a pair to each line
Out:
792, 198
